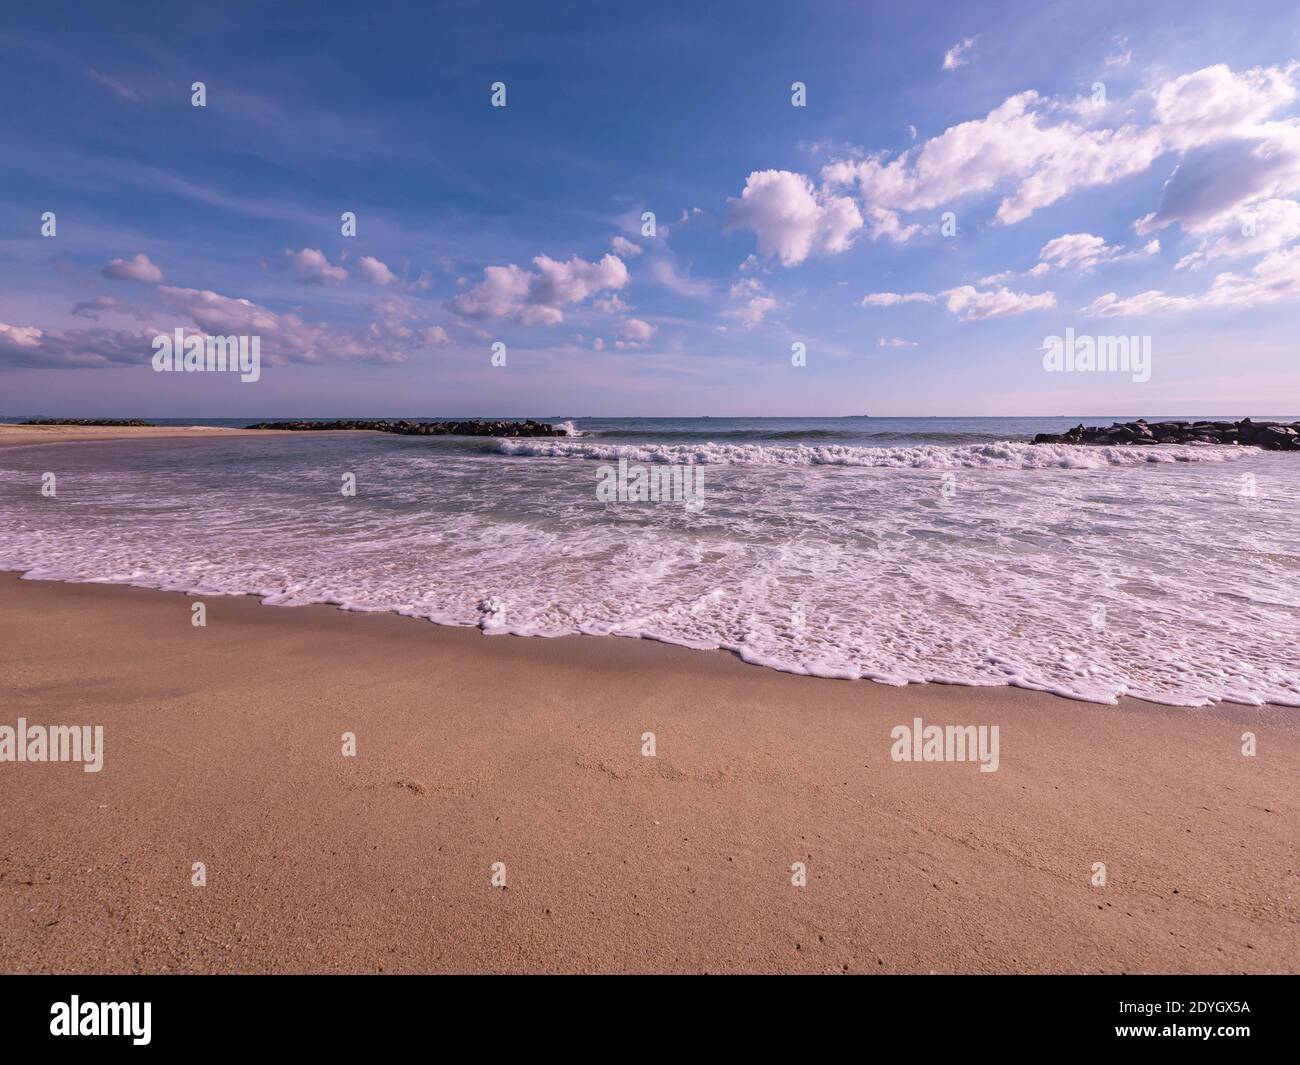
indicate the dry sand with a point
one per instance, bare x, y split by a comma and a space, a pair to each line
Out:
223, 746
11, 433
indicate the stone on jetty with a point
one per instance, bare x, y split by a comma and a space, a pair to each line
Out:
1271, 436
477, 427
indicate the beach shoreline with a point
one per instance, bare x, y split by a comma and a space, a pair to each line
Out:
14, 434
224, 745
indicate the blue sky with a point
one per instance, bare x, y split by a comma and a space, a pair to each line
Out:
1163, 206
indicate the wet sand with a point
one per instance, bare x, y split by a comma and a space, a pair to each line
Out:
223, 745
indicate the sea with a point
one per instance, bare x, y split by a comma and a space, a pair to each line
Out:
895, 550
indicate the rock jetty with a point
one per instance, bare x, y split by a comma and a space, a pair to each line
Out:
1271, 436
477, 427
133, 422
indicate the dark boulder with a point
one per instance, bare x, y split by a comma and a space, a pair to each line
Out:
406, 427
1271, 436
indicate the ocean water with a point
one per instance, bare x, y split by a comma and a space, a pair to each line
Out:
896, 550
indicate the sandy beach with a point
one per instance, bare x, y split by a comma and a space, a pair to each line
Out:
11, 433
223, 745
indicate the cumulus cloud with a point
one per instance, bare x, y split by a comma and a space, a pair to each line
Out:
1274, 278
752, 303
391, 337
1082, 250
33, 347
1265, 226
1077, 251
1022, 141
137, 268
311, 267
1214, 103
956, 55
1233, 155
538, 297
1224, 179
885, 223
891, 299
611, 304
971, 304
374, 271
94, 307
1033, 151
287, 337
635, 333
626, 248
791, 219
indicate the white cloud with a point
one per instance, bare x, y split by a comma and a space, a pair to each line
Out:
220, 315
1232, 178
283, 337
31, 346
626, 248
970, 304
895, 342
956, 55
791, 219
1076, 249
137, 268
538, 298
311, 267
1263, 227
287, 337
891, 299
92, 308
611, 304
885, 223
374, 271
1214, 103
1274, 278
1023, 141
752, 303
635, 333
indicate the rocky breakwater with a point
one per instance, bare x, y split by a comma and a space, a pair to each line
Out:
477, 427
1271, 436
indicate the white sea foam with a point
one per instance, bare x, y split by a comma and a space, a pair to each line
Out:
1004, 454
853, 569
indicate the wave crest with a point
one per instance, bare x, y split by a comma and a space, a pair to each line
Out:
1005, 454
